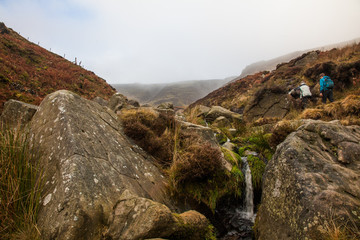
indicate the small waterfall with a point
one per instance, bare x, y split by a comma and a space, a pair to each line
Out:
248, 212
240, 219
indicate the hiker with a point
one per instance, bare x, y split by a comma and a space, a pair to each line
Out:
304, 92
326, 88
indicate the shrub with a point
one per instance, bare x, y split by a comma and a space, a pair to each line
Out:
152, 131
197, 164
20, 186
351, 105
313, 114
281, 130
266, 120
197, 172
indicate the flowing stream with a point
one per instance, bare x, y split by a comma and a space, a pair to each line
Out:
248, 212
241, 218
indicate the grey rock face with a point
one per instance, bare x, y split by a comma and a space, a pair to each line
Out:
17, 114
206, 133
140, 218
222, 122
101, 101
217, 111
117, 102
312, 179
166, 105
267, 104
89, 163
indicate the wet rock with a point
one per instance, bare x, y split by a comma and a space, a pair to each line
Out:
313, 178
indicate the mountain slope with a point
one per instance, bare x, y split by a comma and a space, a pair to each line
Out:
28, 72
179, 93
258, 95
269, 65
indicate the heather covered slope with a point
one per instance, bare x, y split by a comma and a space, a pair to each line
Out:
264, 94
29, 72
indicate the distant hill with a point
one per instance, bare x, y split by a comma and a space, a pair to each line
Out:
269, 65
29, 72
179, 93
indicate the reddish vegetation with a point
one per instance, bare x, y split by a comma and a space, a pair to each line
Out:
28, 72
343, 65
226, 95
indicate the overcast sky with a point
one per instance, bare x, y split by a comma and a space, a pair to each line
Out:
153, 41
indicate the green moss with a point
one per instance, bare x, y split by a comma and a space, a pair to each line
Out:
221, 138
257, 168
231, 157
211, 191
258, 142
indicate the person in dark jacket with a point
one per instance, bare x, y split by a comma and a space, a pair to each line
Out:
326, 92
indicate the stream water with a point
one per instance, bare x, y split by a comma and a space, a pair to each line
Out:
239, 219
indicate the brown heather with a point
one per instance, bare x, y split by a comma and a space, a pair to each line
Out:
29, 72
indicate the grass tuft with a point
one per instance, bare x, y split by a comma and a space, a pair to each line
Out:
20, 186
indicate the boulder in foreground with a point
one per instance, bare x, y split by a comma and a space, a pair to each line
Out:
311, 182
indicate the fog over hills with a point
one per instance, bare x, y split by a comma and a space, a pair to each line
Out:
179, 93
186, 92
269, 65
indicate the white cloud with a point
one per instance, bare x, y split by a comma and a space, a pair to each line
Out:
171, 40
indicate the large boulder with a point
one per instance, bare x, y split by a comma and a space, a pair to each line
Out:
101, 101
312, 182
140, 218
217, 111
88, 163
117, 102
206, 133
17, 114
267, 103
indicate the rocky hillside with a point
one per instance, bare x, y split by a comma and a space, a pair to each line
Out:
264, 94
269, 65
28, 72
180, 94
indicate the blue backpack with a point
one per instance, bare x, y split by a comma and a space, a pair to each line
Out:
329, 82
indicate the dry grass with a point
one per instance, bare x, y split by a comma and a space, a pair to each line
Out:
346, 110
20, 186
312, 114
152, 131
192, 116
281, 130
197, 163
266, 120
343, 54
337, 228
